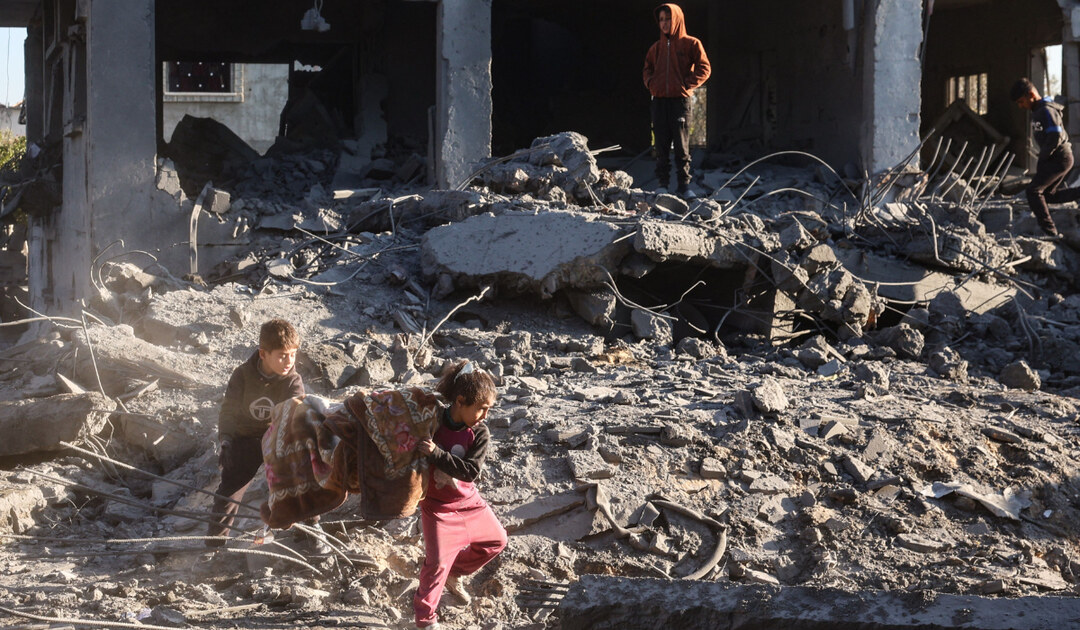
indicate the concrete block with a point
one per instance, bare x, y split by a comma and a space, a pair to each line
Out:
536, 253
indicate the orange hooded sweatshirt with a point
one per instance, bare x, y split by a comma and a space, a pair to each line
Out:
676, 64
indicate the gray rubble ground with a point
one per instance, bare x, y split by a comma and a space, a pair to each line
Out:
937, 454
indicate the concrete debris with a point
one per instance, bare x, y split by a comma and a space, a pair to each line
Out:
514, 252
839, 393
40, 424
1019, 374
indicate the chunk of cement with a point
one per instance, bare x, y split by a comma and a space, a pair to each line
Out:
769, 397
40, 424
663, 241
1019, 375
598, 601
541, 508
649, 326
525, 252
588, 466
595, 307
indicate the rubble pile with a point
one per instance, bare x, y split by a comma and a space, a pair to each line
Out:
756, 387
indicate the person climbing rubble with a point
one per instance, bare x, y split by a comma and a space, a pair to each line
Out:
267, 378
675, 66
461, 532
1055, 154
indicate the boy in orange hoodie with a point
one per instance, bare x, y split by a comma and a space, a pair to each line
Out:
674, 67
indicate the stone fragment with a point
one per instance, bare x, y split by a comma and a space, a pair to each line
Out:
830, 368
582, 366
831, 429
1019, 375
712, 468
776, 509
646, 325
768, 484
676, 436
595, 307
857, 469
517, 427
920, 544
949, 364
873, 373
1001, 435
593, 394
769, 396
589, 466
760, 577
696, 348
905, 340
780, 438
667, 240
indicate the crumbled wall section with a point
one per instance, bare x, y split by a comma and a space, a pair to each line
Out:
463, 101
893, 102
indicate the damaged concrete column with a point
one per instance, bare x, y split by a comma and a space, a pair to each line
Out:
463, 94
1070, 66
121, 127
108, 147
893, 77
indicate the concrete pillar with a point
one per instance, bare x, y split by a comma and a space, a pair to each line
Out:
1070, 66
463, 91
121, 124
893, 79
34, 64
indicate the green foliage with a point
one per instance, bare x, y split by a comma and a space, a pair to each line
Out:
12, 149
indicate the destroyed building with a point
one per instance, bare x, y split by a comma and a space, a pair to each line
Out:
847, 372
453, 82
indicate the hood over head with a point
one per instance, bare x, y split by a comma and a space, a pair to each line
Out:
678, 23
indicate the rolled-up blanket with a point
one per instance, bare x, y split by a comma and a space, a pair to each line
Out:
368, 446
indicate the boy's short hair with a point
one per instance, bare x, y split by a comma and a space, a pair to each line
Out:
278, 334
1021, 88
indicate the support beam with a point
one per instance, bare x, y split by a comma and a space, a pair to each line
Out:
893, 77
463, 93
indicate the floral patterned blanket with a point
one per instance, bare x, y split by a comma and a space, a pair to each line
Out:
313, 462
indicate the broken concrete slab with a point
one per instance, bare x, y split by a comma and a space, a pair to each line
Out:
40, 424
722, 248
526, 252
597, 601
541, 508
906, 282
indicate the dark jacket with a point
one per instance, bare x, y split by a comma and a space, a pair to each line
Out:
1048, 128
676, 64
250, 396
456, 464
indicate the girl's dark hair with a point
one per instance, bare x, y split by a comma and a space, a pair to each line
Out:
474, 385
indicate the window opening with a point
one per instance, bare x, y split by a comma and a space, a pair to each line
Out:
969, 88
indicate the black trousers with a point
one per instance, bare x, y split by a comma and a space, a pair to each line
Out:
671, 124
239, 460
1046, 187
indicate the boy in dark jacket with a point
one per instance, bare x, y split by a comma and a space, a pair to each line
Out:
264, 380
675, 66
1055, 154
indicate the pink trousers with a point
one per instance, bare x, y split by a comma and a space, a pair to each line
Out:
455, 543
